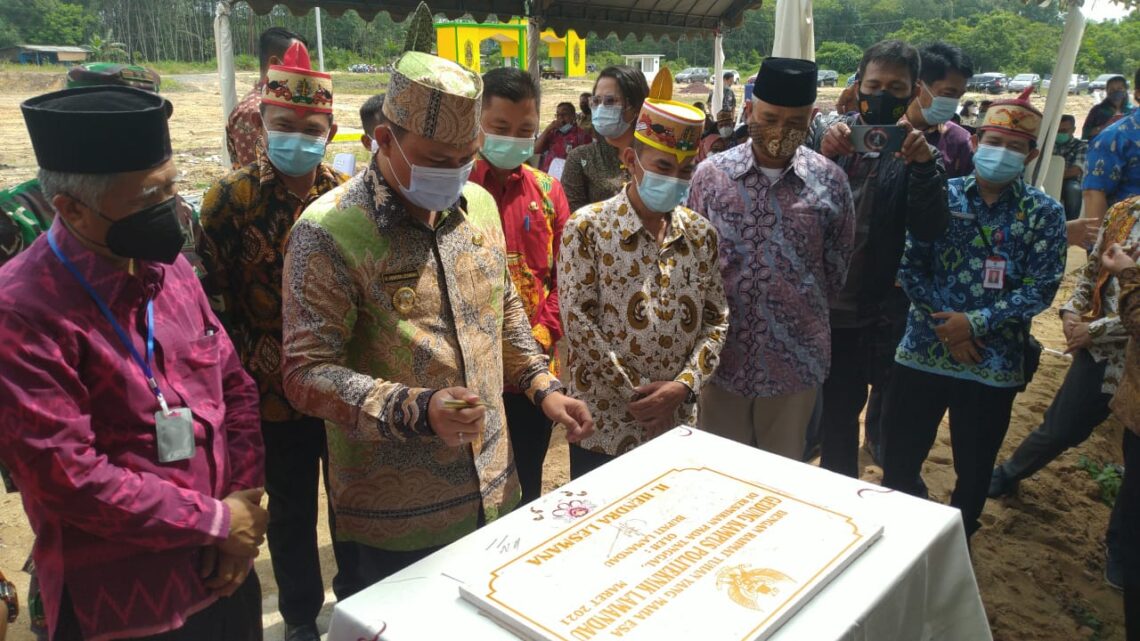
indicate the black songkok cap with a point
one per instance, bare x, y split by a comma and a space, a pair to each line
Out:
786, 82
98, 130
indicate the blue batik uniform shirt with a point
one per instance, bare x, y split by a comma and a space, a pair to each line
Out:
1026, 228
1113, 160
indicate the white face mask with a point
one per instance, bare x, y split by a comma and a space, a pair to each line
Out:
375, 146
433, 188
726, 132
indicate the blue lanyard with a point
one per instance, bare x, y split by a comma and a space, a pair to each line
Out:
145, 364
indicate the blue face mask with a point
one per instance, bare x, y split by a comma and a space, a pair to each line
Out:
941, 108
608, 122
998, 164
294, 154
506, 152
660, 193
566, 128
433, 188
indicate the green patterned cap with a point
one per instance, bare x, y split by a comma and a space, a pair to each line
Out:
434, 98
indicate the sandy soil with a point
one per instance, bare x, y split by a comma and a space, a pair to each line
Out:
1038, 558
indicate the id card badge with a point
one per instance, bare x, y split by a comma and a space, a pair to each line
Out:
175, 434
994, 275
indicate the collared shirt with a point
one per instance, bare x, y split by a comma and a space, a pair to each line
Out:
1026, 229
246, 218
784, 251
1114, 160
586, 123
954, 143
243, 129
561, 144
1103, 115
593, 173
77, 433
1096, 296
533, 211
660, 309
380, 311
1074, 152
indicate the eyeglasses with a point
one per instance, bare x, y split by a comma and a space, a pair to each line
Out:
606, 101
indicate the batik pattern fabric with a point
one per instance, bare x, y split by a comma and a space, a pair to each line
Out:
434, 98
243, 129
660, 310
1096, 297
1114, 160
121, 530
1126, 403
593, 173
380, 311
1026, 229
784, 251
246, 218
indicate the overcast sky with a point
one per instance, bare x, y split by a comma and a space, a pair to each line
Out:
1103, 10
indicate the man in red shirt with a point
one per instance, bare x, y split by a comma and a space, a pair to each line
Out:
533, 209
243, 129
561, 136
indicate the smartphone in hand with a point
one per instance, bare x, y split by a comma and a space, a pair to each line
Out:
882, 139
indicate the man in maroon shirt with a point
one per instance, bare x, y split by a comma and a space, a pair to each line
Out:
129, 424
561, 135
533, 209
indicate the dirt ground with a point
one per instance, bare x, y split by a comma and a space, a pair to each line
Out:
1038, 558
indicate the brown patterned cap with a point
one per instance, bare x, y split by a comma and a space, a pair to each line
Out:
434, 98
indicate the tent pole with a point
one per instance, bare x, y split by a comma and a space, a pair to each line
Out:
224, 51
718, 72
533, 38
320, 42
1058, 91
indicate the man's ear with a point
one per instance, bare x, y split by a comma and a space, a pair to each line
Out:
332, 133
366, 142
70, 209
974, 143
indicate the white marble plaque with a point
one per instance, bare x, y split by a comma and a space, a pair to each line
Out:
692, 554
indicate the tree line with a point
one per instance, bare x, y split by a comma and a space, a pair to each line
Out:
1011, 36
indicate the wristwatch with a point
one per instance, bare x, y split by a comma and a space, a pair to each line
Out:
10, 598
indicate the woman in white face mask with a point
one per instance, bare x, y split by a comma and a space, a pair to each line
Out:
595, 172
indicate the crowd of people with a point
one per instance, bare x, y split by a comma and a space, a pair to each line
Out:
414, 333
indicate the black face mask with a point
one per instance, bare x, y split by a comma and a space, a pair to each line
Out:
148, 234
881, 108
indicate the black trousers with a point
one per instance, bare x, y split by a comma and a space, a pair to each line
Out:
295, 453
1128, 502
530, 438
233, 618
583, 461
374, 565
979, 417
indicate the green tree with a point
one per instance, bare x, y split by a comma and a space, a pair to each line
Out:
840, 56
60, 24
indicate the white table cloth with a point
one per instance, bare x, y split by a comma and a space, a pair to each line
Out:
915, 583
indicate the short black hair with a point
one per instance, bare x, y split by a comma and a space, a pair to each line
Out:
892, 52
727, 75
699, 105
631, 82
1119, 77
560, 105
274, 42
940, 59
372, 113
1069, 118
585, 94
512, 84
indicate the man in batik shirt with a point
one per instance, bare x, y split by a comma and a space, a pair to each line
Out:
401, 325
244, 128
785, 218
642, 300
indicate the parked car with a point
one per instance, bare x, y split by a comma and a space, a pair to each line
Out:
591, 67
361, 67
990, 82
694, 74
1023, 81
1077, 83
550, 73
827, 78
852, 79
1102, 80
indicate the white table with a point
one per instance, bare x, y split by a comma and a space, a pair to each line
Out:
915, 583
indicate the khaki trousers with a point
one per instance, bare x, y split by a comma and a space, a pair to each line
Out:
775, 424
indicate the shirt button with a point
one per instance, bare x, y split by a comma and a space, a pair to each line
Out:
477, 240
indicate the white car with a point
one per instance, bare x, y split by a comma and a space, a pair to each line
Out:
1023, 80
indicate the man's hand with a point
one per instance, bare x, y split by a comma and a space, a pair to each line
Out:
967, 352
571, 413
656, 407
955, 328
1078, 338
222, 573
248, 521
914, 149
1117, 259
1069, 322
1082, 232
456, 426
836, 142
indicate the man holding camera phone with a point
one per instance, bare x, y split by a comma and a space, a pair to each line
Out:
898, 188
